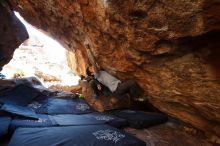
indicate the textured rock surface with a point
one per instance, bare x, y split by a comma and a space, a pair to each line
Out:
103, 103
170, 48
168, 135
12, 33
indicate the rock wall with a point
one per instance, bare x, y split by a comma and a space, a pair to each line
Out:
170, 47
12, 33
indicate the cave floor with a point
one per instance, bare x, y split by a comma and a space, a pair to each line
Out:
171, 133
168, 134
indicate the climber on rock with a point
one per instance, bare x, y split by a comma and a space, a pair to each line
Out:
117, 87
98, 88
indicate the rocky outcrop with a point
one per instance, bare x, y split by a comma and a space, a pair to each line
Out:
170, 48
12, 31
104, 103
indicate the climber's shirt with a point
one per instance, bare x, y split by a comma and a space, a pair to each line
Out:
108, 80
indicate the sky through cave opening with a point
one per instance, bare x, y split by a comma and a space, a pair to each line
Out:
42, 57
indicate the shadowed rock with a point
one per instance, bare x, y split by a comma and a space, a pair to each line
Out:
12, 31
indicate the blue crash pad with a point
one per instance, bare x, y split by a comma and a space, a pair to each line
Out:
2, 76
55, 120
20, 95
38, 102
42, 121
108, 119
4, 124
92, 135
68, 120
139, 119
19, 110
64, 106
74, 120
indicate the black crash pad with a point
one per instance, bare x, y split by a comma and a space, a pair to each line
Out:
139, 119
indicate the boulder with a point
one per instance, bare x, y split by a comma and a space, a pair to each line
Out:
104, 103
171, 48
12, 31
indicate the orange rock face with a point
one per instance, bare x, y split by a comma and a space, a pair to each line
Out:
171, 48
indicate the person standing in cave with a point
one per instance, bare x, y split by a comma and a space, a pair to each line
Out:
117, 87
